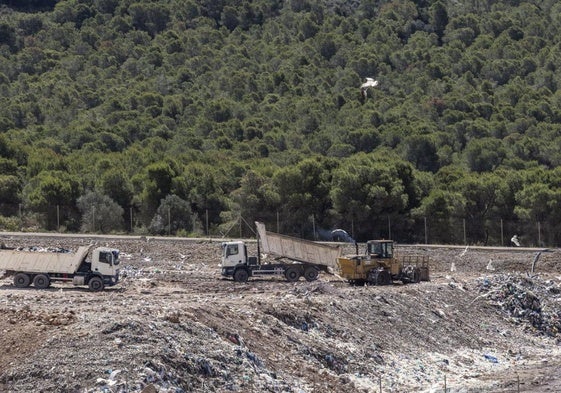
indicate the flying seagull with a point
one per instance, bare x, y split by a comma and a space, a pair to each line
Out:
369, 82
515, 241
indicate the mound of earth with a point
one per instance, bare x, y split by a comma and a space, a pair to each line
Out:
484, 323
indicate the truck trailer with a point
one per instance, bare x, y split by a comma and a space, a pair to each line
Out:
294, 257
42, 268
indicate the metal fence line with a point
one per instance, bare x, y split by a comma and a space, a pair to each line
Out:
403, 229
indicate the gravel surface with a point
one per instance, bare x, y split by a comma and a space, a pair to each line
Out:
484, 323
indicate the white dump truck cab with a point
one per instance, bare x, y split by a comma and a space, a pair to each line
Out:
102, 270
105, 261
234, 254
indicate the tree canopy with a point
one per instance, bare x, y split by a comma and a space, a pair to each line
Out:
222, 109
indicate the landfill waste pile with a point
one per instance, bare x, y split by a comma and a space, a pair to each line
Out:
173, 324
526, 299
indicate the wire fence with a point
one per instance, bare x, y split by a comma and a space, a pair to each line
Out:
429, 230
400, 228
446, 385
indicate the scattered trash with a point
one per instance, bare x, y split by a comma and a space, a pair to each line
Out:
44, 249
149, 389
521, 298
490, 265
234, 338
205, 367
535, 261
173, 327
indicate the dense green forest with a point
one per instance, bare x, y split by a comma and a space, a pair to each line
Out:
181, 116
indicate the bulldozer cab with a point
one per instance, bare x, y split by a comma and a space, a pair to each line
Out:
379, 248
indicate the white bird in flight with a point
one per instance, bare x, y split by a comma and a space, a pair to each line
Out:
370, 82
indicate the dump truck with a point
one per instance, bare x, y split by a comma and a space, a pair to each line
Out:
42, 268
379, 265
294, 257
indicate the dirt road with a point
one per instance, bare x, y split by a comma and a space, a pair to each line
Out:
482, 324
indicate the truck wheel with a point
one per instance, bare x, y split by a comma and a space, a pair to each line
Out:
22, 280
41, 281
379, 277
96, 284
373, 277
241, 275
292, 274
311, 274
384, 278
409, 274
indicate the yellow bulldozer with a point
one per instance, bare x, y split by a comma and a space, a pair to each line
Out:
380, 266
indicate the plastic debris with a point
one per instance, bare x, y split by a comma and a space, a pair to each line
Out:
174, 326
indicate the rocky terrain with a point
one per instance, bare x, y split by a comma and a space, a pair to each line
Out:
484, 323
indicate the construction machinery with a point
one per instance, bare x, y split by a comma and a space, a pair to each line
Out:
379, 265
41, 268
293, 257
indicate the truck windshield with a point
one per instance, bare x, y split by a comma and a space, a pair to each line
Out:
115, 257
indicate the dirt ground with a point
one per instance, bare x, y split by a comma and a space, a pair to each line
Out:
484, 323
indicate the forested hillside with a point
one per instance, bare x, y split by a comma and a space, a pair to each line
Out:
180, 116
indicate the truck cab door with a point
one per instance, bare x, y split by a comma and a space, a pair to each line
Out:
233, 254
103, 263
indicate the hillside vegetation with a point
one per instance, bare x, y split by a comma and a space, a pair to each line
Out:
178, 117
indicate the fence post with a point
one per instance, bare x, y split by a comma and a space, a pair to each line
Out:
206, 217
57, 218
426, 236
539, 234
465, 238
169, 221
502, 234
314, 227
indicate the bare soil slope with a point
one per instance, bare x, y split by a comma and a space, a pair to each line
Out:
482, 324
